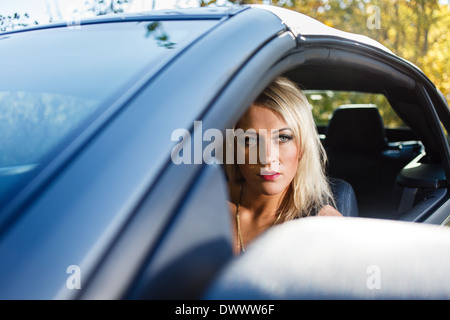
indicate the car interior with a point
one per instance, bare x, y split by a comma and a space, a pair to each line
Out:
375, 171
359, 152
396, 173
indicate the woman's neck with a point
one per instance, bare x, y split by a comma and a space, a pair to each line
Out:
253, 213
260, 207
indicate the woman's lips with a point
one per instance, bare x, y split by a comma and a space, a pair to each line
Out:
269, 176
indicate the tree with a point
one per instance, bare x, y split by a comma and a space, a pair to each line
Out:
102, 7
8, 23
417, 30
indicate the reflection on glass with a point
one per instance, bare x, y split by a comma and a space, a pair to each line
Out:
34, 122
53, 80
156, 30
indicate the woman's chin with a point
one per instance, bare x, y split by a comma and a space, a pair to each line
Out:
271, 189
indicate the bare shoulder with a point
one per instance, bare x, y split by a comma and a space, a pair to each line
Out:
329, 211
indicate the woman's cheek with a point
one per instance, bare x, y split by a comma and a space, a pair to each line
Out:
289, 158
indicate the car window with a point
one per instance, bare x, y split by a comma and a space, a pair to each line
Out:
55, 79
324, 102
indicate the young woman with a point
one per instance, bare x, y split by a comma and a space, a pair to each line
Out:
288, 179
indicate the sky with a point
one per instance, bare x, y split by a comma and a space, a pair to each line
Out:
42, 10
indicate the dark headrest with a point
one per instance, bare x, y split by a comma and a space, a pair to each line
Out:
356, 128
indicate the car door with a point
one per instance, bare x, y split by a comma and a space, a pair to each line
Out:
441, 115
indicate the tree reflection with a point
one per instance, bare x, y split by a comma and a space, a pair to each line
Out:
14, 21
33, 123
156, 29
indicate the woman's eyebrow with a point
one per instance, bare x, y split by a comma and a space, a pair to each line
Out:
246, 132
279, 130
256, 133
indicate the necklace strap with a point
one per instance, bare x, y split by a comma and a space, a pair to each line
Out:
238, 222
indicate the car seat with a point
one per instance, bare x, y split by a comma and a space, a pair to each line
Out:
345, 198
358, 153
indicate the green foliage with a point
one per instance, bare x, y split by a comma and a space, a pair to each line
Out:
416, 30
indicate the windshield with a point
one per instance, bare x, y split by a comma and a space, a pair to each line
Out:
54, 80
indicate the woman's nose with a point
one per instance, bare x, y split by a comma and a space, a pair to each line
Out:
269, 152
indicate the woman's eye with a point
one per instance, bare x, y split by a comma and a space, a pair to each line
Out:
284, 138
251, 140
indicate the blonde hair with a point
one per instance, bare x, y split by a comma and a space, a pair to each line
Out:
309, 190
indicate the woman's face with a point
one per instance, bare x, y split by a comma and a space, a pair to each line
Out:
272, 140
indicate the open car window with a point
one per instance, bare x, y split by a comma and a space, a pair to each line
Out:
324, 102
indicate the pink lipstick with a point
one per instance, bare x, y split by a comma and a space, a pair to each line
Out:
269, 175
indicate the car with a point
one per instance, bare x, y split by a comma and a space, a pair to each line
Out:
98, 202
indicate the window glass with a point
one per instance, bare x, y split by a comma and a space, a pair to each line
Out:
53, 80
